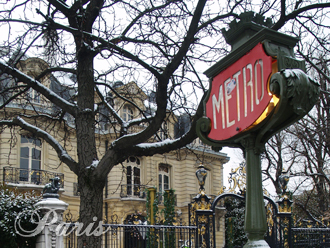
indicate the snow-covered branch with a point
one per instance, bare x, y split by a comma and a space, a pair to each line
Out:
149, 149
39, 87
39, 133
139, 121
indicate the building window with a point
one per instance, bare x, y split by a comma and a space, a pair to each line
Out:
163, 131
34, 96
127, 113
30, 159
133, 176
76, 191
163, 177
104, 120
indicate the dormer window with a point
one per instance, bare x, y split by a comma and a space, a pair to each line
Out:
34, 96
127, 113
164, 131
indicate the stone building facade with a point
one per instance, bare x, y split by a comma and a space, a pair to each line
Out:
28, 163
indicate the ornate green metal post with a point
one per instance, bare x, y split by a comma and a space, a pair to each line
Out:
256, 91
255, 213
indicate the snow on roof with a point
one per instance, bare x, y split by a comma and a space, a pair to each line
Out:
63, 78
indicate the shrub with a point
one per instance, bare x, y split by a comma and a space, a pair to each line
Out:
14, 204
235, 235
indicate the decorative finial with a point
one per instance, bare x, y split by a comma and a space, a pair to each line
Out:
248, 25
202, 201
284, 180
201, 174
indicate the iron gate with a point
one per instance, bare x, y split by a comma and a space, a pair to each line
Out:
278, 223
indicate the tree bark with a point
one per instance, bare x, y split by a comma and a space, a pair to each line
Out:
90, 214
89, 181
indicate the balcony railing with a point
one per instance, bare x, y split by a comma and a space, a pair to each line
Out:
23, 176
133, 191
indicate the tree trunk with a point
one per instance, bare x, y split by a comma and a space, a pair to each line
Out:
90, 214
321, 195
90, 183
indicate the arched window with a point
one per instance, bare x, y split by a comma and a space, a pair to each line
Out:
163, 177
163, 131
30, 159
133, 176
34, 96
128, 113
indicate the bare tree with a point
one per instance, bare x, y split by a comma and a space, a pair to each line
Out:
302, 150
97, 42
313, 136
279, 158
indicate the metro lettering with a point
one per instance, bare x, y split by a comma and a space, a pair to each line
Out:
237, 90
253, 82
238, 94
227, 98
246, 84
258, 100
216, 108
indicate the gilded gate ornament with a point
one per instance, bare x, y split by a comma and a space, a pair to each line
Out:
284, 204
236, 180
270, 220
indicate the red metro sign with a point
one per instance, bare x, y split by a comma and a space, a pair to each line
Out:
239, 94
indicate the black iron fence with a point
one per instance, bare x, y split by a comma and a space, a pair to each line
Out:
38, 177
311, 237
140, 236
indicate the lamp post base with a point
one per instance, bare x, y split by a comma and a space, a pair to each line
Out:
256, 243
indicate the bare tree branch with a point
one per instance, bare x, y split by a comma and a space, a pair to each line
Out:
37, 132
283, 19
71, 108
